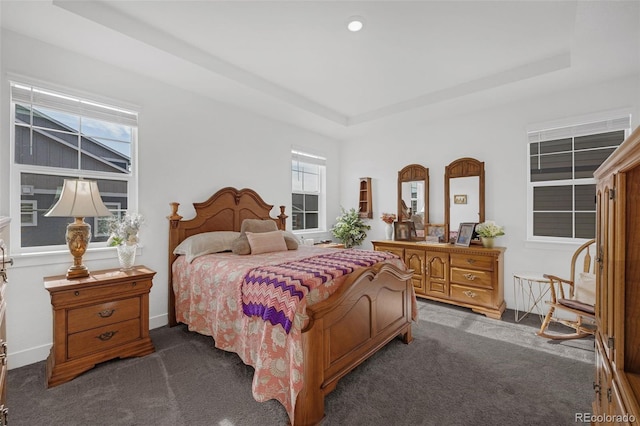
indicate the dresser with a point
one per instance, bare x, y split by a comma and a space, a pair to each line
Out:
617, 373
5, 260
98, 318
471, 277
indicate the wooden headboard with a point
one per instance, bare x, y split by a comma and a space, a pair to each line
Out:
223, 211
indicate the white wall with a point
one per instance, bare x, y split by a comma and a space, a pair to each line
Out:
189, 147
496, 136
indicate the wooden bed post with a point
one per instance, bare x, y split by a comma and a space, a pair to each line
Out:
282, 219
174, 219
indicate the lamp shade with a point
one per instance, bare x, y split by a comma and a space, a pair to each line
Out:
79, 198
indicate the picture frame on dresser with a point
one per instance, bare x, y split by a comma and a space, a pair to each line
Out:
404, 231
465, 234
436, 230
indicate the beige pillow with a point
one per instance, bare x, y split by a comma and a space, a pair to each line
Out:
266, 242
241, 245
585, 288
205, 243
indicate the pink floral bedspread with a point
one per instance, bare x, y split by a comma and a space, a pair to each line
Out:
209, 301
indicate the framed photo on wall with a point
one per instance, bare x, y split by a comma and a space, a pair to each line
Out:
465, 233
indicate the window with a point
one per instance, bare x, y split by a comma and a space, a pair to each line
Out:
561, 185
307, 193
56, 136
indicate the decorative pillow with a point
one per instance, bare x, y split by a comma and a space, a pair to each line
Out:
266, 242
241, 245
291, 240
205, 243
585, 288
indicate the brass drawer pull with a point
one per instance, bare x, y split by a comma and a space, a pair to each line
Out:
469, 293
106, 336
471, 261
133, 284
77, 293
470, 277
106, 313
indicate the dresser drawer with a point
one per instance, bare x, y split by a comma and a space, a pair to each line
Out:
397, 251
101, 338
471, 277
97, 292
472, 261
473, 295
103, 314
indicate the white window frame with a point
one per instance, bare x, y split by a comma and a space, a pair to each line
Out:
305, 156
91, 106
592, 124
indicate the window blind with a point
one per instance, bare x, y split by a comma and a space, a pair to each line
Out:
22, 93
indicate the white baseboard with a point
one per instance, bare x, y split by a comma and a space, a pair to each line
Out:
28, 356
40, 353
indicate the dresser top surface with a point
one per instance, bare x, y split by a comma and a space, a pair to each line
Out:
97, 277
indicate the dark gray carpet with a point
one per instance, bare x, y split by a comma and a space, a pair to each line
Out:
461, 369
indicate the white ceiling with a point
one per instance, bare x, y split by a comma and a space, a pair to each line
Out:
296, 62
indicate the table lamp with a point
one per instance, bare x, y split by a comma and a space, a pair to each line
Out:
79, 199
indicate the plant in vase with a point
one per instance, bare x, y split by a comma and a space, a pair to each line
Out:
124, 236
488, 231
350, 229
388, 218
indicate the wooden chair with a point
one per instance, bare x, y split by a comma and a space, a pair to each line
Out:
575, 296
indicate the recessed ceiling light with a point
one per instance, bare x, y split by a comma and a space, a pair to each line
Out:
355, 24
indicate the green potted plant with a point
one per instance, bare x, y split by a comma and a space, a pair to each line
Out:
349, 229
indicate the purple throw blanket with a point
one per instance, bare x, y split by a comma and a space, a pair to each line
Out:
274, 292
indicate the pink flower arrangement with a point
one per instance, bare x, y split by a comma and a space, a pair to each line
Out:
388, 218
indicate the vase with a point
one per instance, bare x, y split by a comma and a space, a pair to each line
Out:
127, 256
388, 231
487, 242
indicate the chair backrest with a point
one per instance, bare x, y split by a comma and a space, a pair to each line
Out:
583, 274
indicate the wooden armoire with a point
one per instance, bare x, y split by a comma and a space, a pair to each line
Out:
617, 378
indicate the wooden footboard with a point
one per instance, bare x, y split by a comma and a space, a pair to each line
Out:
373, 306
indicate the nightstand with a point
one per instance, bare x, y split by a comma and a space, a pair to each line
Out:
98, 318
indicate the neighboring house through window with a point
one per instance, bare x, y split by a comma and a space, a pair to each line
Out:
561, 186
307, 191
56, 136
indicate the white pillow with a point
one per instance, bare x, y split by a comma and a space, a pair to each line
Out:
205, 243
585, 288
266, 242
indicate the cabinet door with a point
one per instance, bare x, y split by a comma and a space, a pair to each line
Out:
605, 258
437, 274
415, 259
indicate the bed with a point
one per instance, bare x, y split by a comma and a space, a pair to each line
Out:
340, 324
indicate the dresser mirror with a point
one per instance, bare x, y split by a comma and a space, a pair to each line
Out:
463, 193
413, 195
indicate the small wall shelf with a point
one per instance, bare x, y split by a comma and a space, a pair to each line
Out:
364, 204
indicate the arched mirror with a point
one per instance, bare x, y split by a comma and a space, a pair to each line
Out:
463, 193
413, 195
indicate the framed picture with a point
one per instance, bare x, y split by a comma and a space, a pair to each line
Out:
436, 230
465, 233
404, 231
460, 199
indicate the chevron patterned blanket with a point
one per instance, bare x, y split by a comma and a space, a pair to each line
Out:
274, 292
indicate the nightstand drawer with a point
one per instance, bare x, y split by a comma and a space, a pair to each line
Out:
471, 277
99, 339
97, 292
476, 296
472, 261
103, 314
